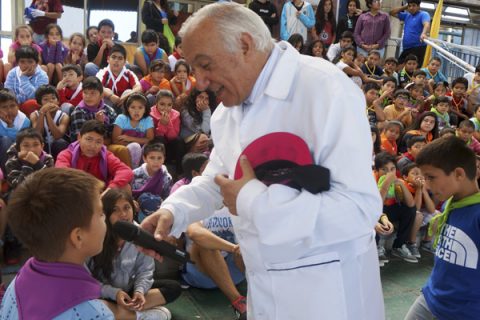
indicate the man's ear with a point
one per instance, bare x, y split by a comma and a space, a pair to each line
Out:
246, 43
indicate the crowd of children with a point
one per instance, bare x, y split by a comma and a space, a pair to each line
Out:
81, 105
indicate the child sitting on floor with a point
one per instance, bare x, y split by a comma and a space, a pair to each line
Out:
70, 89
151, 182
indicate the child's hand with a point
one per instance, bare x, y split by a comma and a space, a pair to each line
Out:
418, 183
100, 116
5, 117
30, 157
138, 301
124, 138
154, 89
165, 119
62, 84
30, 71
384, 227
123, 299
107, 43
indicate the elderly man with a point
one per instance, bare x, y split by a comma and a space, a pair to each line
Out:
308, 255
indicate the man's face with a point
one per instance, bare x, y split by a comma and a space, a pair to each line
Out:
217, 69
90, 144
413, 8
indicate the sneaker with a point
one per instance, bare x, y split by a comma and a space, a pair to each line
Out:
414, 250
382, 257
427, 246
240, 308
157, 313
404, 253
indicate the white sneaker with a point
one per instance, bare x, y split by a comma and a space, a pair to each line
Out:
382, 257
157, 313
404, 253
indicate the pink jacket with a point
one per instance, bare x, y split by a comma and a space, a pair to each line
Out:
169, 131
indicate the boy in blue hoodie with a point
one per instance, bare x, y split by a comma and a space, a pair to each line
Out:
451, 292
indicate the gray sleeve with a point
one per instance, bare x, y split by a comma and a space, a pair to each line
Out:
206, 115
109, 292
144, 267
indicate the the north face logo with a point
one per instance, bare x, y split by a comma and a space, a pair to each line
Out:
456, 247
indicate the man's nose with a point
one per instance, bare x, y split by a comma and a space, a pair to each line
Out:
202, 80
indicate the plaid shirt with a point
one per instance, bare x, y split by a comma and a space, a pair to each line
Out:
79, 116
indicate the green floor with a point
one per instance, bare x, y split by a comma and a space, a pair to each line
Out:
401, 285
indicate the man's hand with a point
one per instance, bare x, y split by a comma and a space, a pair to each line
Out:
230, 188
159, 224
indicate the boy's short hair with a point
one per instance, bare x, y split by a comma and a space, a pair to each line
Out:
435, 59
26, 52
157, 65
45, 89
390, 79
412, 86
466, 124
153, 146
149, 36
7, 95
374, 52
406, 169
73, 67
411, 57
394, 123
119, 49
193, 161
371, 86
460, 80
419, 72
414, 1
415, 139
107, 23
448, 154
27, 133
401, 92
443, 99
93, 126
391, 60
382, 159
447, 130
92, 83
48, 206
347, 35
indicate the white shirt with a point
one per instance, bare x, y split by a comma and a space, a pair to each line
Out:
293, 242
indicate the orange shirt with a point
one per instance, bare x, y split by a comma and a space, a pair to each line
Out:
389, 146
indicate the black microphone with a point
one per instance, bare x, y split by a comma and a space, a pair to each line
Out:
132, 233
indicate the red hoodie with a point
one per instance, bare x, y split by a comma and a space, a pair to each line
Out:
169, 131
119, 174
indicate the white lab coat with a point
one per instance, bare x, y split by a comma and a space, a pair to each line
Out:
307, 256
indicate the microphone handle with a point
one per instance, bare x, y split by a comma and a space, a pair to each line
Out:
163, 248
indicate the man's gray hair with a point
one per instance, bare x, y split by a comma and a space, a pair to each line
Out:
231, 21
